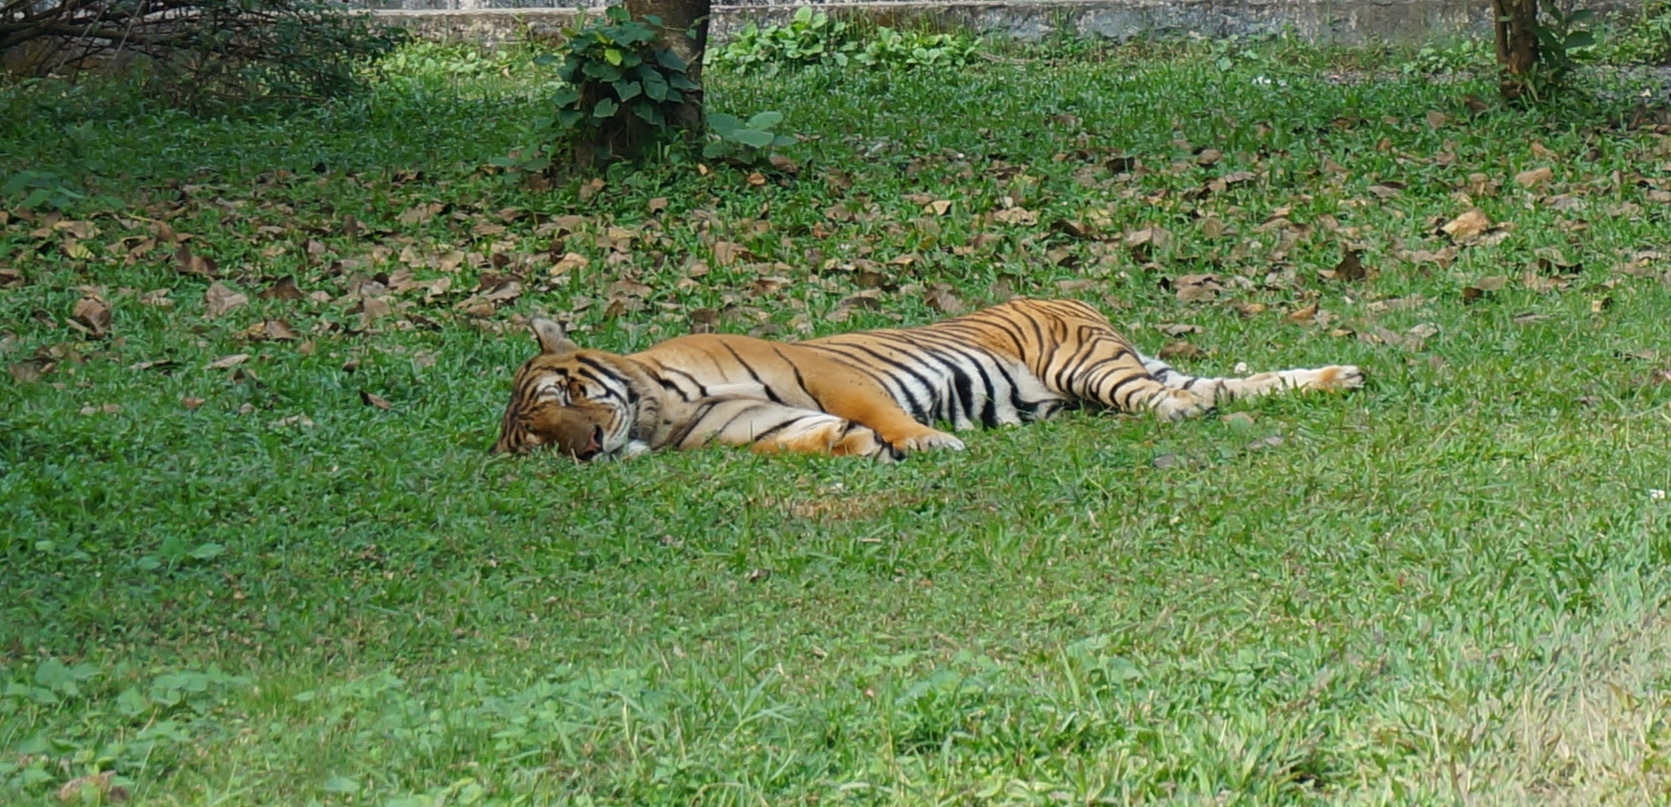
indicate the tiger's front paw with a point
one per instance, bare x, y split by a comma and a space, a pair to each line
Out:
1338, 378
929, 439
1178, 404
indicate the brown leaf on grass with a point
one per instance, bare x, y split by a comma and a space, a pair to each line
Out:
1437, 119
375, 400
1181, 350
627, 287
941, 298
1483, 287
421, 213
104, 789
10, 278
1531, 178
284, 288
1016, 215
1600, 305
703, 320
571, 261
727, 252
1208, 157
938, 207
226, 362
1177, 329
373, 309
26, 372
220, 298
192, 403
1246, 310
275, 330
1070, 228
1196, 288
1304, 316
784, 164
93, 313
188, 263
1468, 226
107, 409
504, 292
1350, 267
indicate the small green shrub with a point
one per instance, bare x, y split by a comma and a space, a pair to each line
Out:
891, 48
619, 95
809, 38
813, 38
1647, 40
747, 142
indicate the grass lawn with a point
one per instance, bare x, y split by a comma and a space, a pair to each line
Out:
253, 549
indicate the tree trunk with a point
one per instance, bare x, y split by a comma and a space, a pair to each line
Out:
685, 32
1517, 42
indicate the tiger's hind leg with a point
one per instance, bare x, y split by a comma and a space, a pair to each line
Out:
1215, 391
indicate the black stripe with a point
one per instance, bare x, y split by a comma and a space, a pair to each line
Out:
748, 368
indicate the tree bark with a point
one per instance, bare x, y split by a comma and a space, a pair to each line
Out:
685, 32
1517, 41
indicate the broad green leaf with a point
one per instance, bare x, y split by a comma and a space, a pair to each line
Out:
628, 90
723, 123
612, 55
565, 96
670, 60
655, 87
606, 108
751, 137
765, 120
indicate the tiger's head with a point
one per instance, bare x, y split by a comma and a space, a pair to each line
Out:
583, 403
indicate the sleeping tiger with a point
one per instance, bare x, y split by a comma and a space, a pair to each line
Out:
875, 394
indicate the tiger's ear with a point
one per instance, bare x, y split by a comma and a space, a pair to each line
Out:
552, 339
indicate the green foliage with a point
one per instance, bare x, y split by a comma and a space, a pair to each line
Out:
745, 142
889, 48
812, 38
618, 95
1565, 40
1457, 57
234, 53
1645, 40
809, 38
1313, 601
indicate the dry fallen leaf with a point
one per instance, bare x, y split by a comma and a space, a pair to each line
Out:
941, 298
375, 400
190, 264
1534, 177
220, 298
1304, 316
1016, 215
224, 362
92, 312
102, 784
284, 288
1350, 267
1180, 350
1467, 226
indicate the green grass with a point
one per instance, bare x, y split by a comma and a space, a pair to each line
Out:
1446, 588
